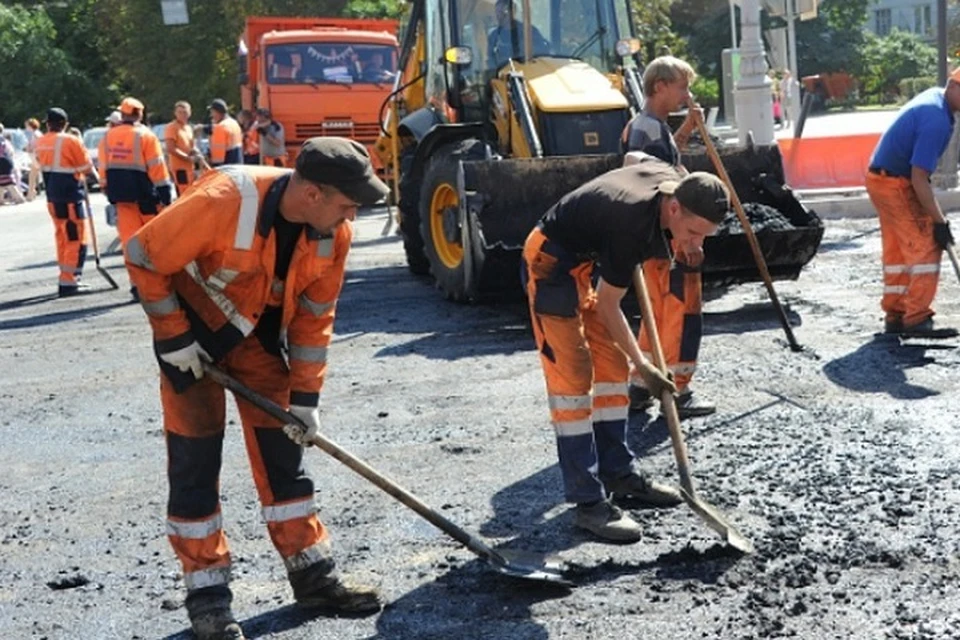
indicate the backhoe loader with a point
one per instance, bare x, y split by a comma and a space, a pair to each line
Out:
502, 107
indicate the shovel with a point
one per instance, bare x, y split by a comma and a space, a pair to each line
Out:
747, 228
93, 236
710, 514
517, 564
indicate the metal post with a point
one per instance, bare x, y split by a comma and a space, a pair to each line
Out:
753, 96
942, 42
733, 24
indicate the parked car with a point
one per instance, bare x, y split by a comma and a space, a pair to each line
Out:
91, 140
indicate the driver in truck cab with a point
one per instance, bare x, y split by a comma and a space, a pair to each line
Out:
505, 41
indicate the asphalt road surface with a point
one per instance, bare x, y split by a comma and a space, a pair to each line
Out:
840, 463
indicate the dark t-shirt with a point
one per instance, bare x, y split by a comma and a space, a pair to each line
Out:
614, 219
651, 135
268, 327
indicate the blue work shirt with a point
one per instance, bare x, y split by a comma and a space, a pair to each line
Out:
918, 136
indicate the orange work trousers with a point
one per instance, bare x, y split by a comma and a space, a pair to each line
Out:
677, 298
183, 174
911, 257
69, 232
586, 374
130, 220
193, 422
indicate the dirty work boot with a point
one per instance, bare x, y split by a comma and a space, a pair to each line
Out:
893, 324
606, 520
927, 329
210, 614
637, 486
691, 406
640, 398
318, 587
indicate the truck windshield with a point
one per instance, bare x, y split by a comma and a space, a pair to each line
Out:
330, 62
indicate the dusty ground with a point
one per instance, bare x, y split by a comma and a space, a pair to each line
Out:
840, 463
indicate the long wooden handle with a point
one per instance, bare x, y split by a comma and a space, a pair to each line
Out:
470, 541
747, 228
668, 404
953, 260
93, 228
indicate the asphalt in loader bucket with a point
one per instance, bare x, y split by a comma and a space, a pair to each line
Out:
504, 199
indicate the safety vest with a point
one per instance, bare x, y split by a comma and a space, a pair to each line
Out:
226, 143
182, 136
62, 159
204, 270
132, 167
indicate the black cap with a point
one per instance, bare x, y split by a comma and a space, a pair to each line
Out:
344, 164
701, 193
56, 114
218, 105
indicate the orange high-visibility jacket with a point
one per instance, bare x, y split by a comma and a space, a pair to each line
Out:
210, 259
226, 142
182, 137
62, 159
132, 167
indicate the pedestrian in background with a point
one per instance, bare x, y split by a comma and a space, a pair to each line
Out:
245, 271
63, 160
251, 137
31, 129
913, 229
226, 136
134, 176
273, 146
182, 152
9, 173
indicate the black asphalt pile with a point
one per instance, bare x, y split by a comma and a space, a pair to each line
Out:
761, 217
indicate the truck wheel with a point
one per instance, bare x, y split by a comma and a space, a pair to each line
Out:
440, 224
409, 206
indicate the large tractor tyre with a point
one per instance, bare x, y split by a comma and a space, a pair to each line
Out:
409, 206
441, 226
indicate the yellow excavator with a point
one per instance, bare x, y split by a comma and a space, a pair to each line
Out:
500, 108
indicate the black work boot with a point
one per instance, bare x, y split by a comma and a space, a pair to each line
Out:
319, 587
691, 406
893, 324
640, 398
210, 614
636, 486
927, 329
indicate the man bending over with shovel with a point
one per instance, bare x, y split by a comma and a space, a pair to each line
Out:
246, 266
608, 226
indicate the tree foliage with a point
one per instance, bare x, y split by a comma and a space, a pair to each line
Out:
888, 60
655, 28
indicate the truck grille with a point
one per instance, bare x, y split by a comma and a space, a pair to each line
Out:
365, 132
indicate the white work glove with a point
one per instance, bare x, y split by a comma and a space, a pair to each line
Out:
652, 379
187, 358
309, 416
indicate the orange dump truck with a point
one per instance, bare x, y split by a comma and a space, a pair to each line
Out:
320, 76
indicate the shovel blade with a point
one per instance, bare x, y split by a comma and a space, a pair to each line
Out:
529, 566
717, 521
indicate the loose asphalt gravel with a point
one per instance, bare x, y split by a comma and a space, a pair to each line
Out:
840, 463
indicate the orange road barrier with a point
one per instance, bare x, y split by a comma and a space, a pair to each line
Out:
836, 162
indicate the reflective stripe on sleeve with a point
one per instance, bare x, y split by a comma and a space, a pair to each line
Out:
325, 247
249, 206
223, 303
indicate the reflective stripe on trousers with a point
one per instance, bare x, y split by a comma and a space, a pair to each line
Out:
911, 257
574, 352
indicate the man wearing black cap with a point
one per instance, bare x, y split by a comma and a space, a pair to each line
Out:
605, 228
244, 271
226, 135
63, 160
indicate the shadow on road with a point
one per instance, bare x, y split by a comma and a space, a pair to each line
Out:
62, 316
390, 300
879, 367
758, 316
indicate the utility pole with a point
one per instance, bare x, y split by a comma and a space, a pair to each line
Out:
942, 42
753, 96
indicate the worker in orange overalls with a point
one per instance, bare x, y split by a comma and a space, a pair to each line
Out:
673, 277
63, 160
226, 136
181, 150
913, 228
135, 176
606, 228
245, 271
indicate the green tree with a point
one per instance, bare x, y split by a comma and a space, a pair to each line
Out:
655, 28
890, 59
374, 8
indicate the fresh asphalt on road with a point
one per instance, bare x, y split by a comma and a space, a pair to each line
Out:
840, 463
